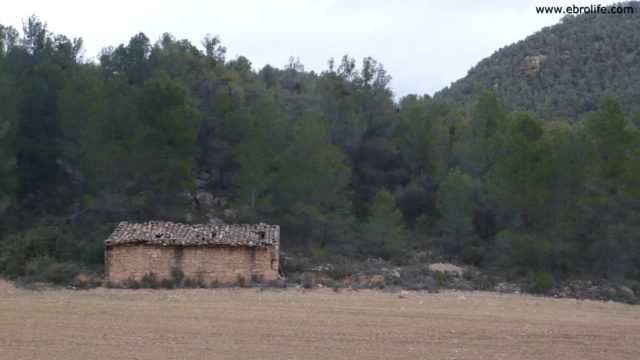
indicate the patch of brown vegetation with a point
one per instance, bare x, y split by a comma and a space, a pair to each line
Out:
318, 324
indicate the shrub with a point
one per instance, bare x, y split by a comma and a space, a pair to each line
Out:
520, 252
635, 287
294, 278
419, 278
131, 283
544, 281
256, 278
63, 272
149, 280
398, 258
86, 281
46, 269
481, 282
539, 282
18, 250
199, 283
341, 268
391, 280
319, 254
294, 264
93, 251
188, 283
307, 281
177, 275
440, 277
330, 283
167, 284
277, 284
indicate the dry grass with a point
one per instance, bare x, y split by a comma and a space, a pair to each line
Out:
319, 324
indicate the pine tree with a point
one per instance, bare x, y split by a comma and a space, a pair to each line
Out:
456, 208
260, 156
384, 234
566, 218
516, 181
614, 158
7, 185
163, 143
312, 188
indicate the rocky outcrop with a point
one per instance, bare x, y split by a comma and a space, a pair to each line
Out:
531, 64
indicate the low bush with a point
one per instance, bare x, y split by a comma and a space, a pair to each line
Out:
149, 280
341, 267
256, 278
440, 277
539, 282
131, 283
45, 269
319, 254
178, 276
167, 284
86, 281
294, 264
29, 248
113, 285
188, 283
482, 282
307, 281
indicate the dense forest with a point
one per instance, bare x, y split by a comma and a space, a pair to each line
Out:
168, 130
577, 62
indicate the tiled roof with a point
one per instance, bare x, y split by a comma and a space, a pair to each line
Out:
168, 233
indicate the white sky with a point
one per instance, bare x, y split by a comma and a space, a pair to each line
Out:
423, 44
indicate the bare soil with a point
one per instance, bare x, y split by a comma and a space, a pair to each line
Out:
316, 324
7, 287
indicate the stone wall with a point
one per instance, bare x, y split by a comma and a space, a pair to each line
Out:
205, 263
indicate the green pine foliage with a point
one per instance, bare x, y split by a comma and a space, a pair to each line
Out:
457, 209
384, 233
172, 131
312, 189
6, 175
260, 158
612, 190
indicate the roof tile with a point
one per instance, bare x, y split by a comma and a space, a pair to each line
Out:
169, 233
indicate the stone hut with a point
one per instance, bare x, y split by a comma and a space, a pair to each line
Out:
224, 254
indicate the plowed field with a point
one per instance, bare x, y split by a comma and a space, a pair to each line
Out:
317, 324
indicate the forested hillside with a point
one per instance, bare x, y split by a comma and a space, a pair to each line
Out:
168, 130
562, 71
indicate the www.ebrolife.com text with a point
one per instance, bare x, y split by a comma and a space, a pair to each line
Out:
592, 9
